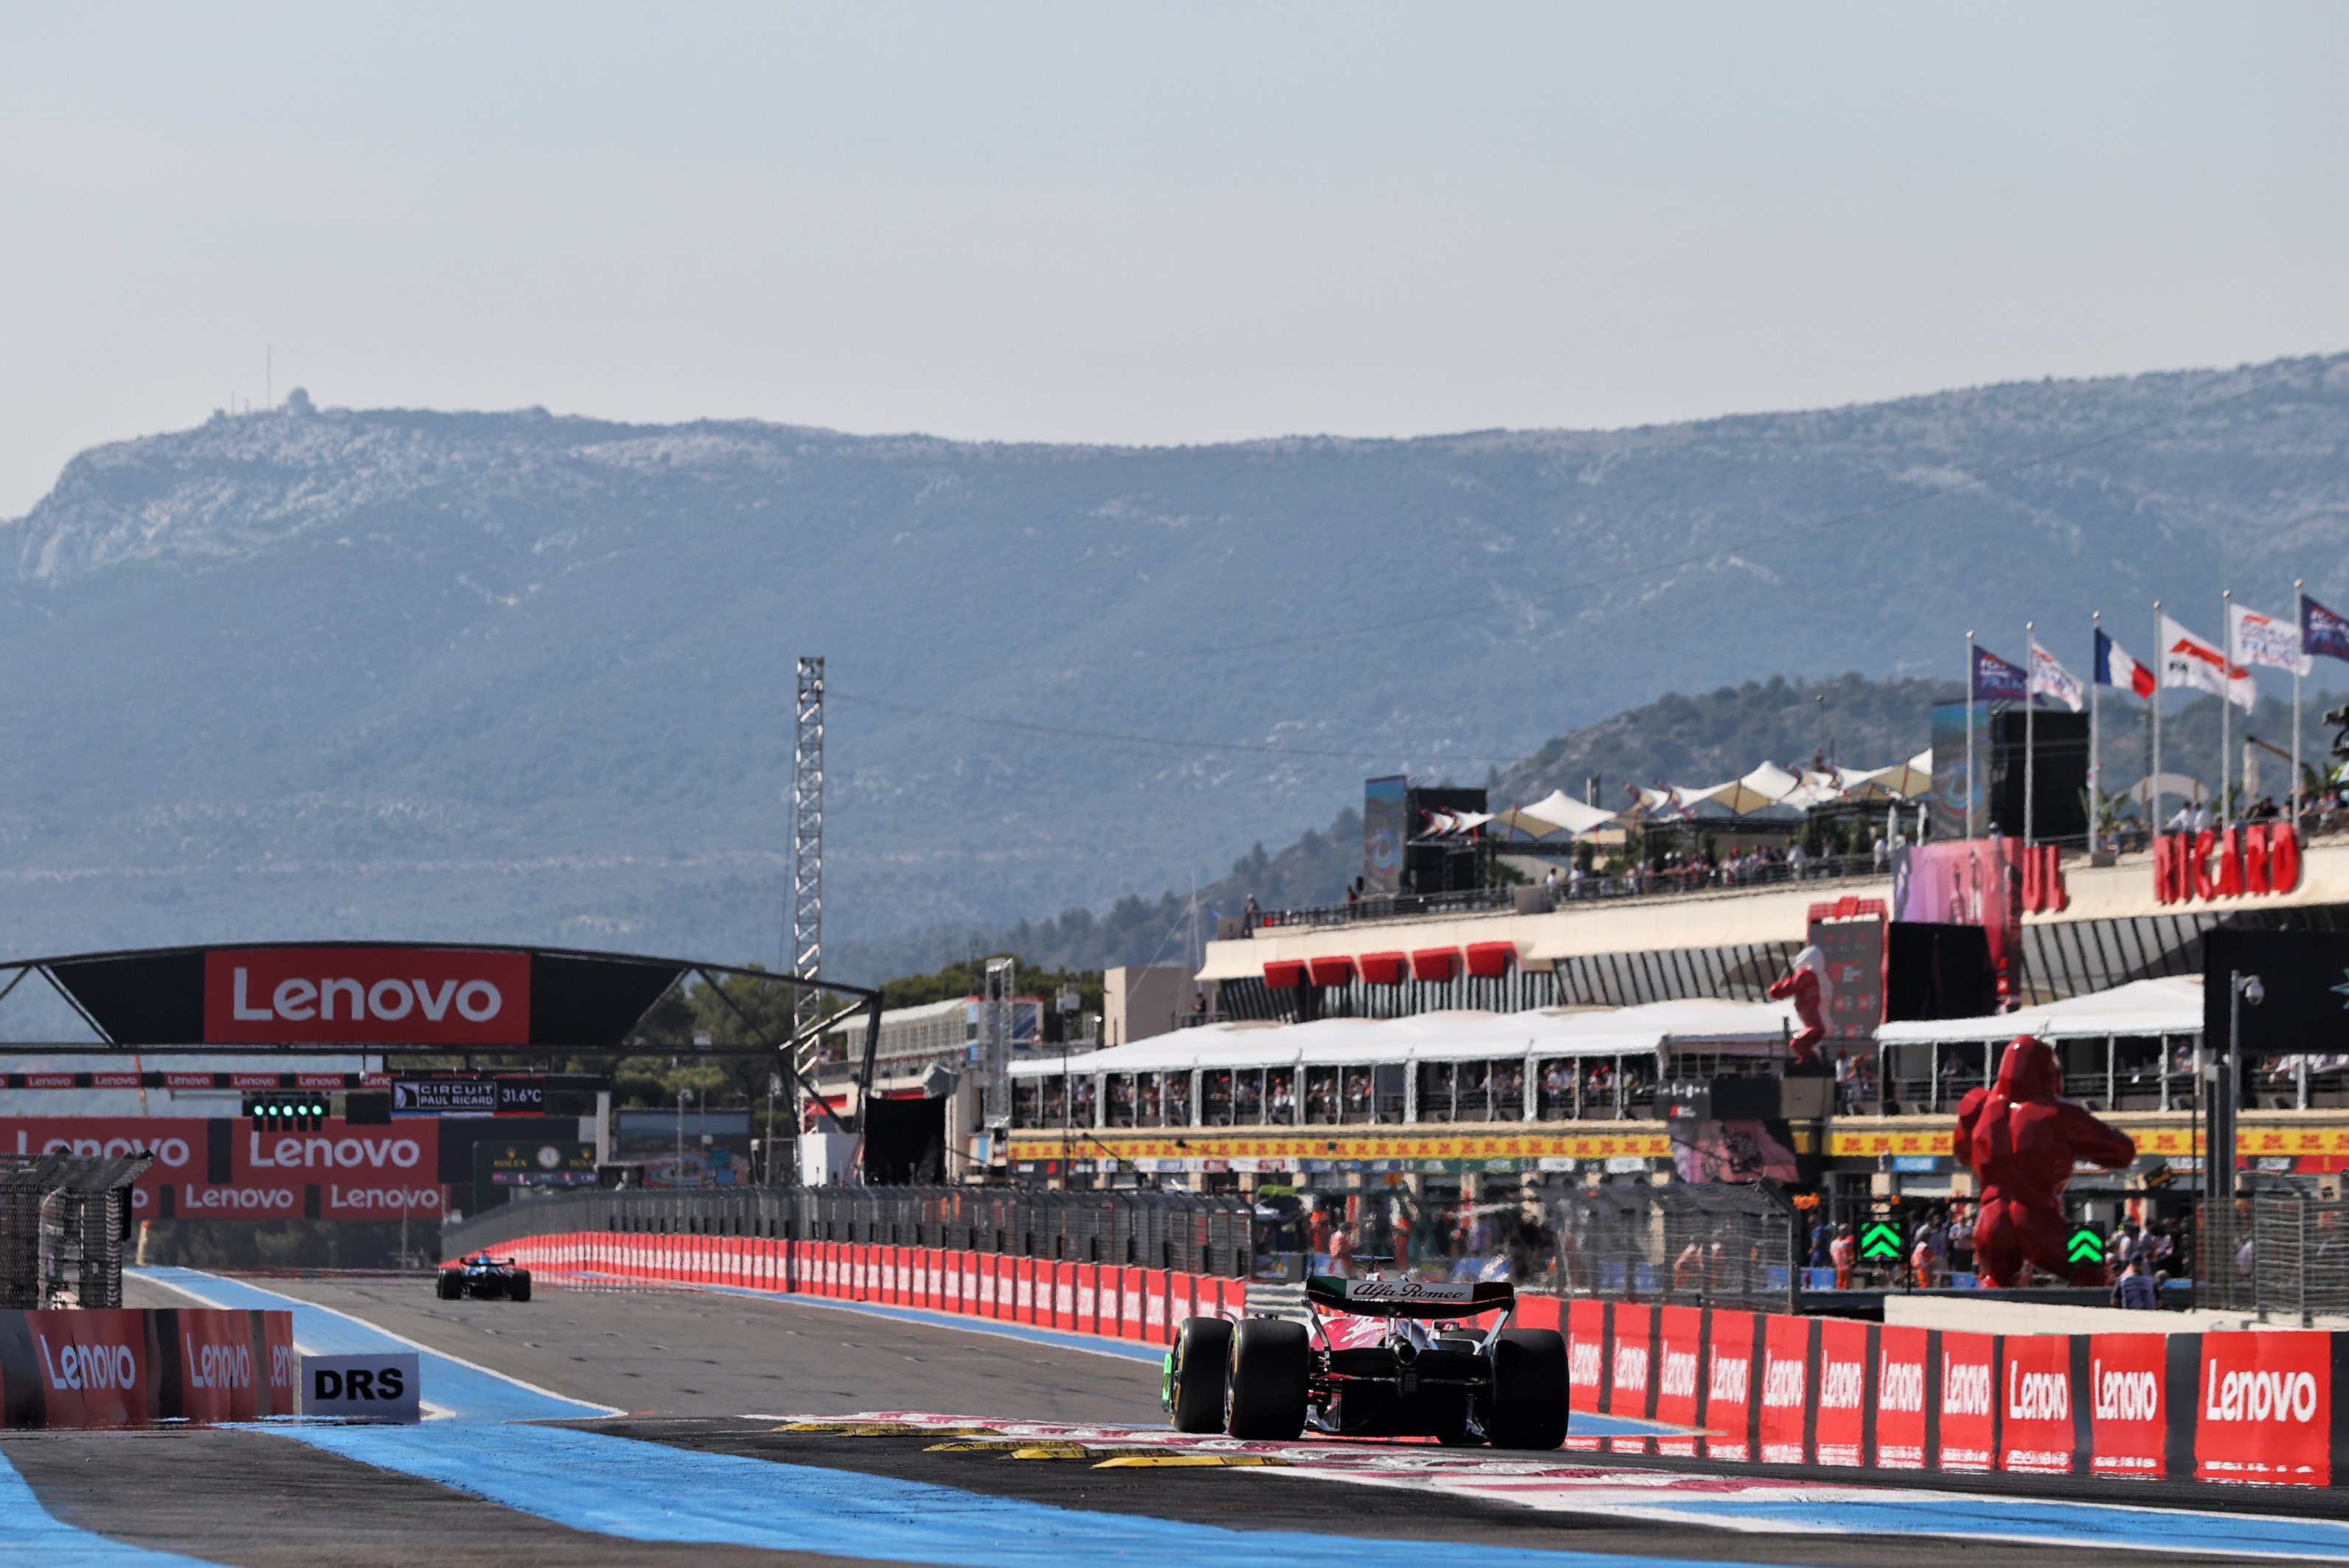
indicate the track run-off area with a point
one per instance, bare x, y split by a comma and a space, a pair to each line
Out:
712, 1427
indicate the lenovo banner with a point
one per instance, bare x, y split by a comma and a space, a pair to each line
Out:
1732, 1344
2036, 1417
2129, 1396
228, 1169
1967, 1371
1841, 1435
1679, 1372
1902, 1359
338, 996
2264, 1408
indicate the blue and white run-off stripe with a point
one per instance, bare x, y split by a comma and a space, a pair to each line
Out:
569, 1477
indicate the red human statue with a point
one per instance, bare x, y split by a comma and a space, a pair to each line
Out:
2021, 1137
1806, 982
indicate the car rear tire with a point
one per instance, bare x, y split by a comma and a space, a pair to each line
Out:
1203, 1347
447, 1287
518, 1288
1264, 1393
1528, 1407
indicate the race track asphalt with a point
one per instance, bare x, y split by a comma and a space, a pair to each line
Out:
644, 1430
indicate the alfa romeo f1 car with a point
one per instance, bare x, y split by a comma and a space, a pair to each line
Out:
1380, 1358
484, 1278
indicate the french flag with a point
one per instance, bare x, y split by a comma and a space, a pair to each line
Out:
2116, 668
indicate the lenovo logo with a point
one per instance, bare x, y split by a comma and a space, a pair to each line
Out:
1965, 1388
2258, 1396
2125, 1396
2037, 1395
1731, 1378
390, 995
1677, 1378
1900, 1385
1630, 1368
1583, 1364
89, 1365
1840, 1384
217, 1366
1781, 1384
350, 1153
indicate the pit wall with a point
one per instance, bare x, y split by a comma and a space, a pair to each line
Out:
2270, 1408
1143, 1305
129, 1367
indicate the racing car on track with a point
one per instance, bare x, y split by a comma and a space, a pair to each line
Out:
484, 1278
1380, 1358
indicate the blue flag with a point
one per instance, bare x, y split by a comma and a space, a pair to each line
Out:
2322, 631
1996, 680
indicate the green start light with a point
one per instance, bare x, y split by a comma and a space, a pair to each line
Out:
275, 1113
1880, 1241
2086, 1245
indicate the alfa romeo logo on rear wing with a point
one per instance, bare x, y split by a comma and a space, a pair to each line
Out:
1407, 1298
1404, 1290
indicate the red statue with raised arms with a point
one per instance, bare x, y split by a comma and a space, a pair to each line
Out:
1806, 982
2021, 1137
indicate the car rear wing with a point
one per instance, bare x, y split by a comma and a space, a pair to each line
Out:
1408, 1298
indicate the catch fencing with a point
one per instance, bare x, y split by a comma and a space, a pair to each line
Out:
63, 1220
1729, 1244
1194, 1233
2298, 1270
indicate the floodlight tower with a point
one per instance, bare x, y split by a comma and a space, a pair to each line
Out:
807, 861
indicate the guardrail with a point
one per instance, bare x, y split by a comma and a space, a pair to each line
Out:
1110, 1299
1200, 1233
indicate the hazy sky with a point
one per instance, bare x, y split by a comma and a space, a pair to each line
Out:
1146, 223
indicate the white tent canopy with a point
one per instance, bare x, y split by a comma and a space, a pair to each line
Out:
2142, 1007
1465, 1034
1555, 812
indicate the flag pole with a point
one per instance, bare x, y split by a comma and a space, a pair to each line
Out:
2160, 668
1969, 733
2299, 641
2095, 753
2226, 709
2030, 713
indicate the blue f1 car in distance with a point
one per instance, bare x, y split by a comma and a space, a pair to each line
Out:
1427, 1374
484, 1278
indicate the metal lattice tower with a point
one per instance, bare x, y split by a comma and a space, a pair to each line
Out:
807, 851
1002, 1024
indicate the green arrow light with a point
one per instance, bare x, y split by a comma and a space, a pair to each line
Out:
1879, 1240
2086, 1246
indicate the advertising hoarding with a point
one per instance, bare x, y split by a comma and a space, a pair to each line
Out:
419, 996
223, 1168
1385, 830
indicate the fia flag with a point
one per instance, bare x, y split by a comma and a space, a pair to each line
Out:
2264, 639
2322, 631
2116, 668
1996, 680
2187, 661
2049, 679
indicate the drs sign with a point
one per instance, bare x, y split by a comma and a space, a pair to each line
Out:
361, 1387
394, 996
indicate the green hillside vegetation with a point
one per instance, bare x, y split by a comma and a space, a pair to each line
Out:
1705, 739
1716, 736
314, 672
